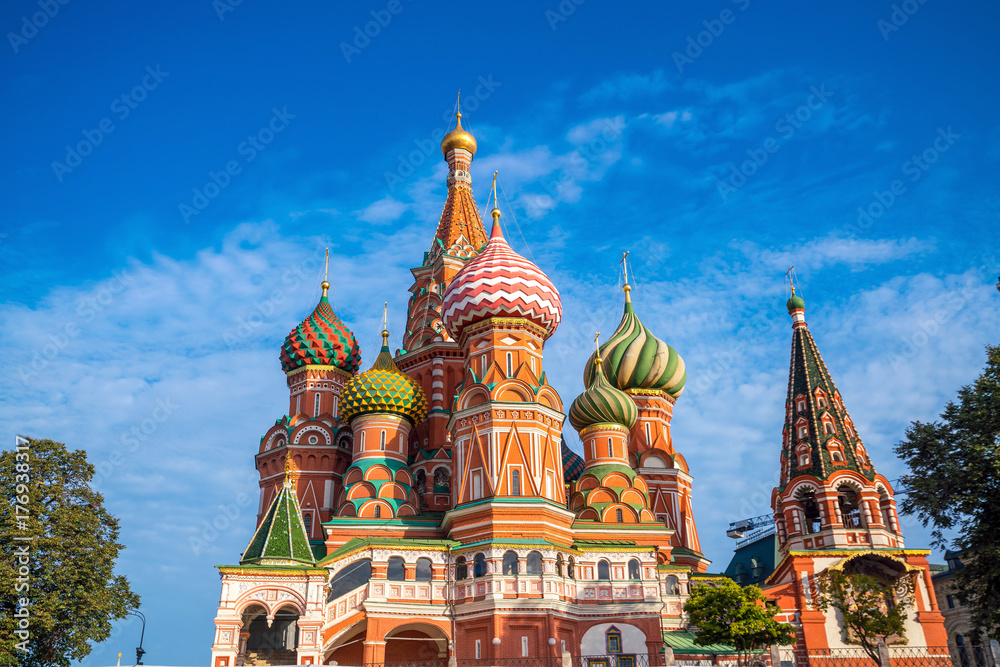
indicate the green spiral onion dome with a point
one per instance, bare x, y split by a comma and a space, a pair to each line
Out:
321, 340
634, 359
384, 388
601, 403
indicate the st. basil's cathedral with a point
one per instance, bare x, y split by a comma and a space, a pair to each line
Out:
426, 509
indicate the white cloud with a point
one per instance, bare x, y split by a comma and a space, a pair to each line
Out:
383, 211
830, 250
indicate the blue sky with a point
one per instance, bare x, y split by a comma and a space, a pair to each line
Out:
720, 142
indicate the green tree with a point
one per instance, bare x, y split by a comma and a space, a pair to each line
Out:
954, 485
59, 546
740, 617
866, 606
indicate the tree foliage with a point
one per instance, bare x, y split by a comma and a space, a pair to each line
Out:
64, 571
866, 606
740, 617
954, 485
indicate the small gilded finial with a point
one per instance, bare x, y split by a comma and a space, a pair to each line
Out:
326, 274
626, 287
495, 213
290, 472
385, 324
597, 346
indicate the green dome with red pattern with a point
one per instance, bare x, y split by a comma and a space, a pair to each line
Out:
321, 340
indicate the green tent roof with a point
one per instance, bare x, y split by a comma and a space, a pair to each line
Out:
281, 537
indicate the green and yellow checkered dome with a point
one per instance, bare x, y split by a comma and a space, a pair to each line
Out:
384, 388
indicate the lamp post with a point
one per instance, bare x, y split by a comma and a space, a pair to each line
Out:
139, 652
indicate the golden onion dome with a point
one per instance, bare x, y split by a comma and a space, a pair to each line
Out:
384, 388
458, 138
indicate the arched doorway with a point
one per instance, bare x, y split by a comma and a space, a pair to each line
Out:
270, 641
417, 644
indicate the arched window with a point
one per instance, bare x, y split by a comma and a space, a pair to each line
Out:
307, 519
800, 405
571, 568
336, 407
424, 571
402, 444
804, 460
837, 456
649, 435
515, 482
281, 633
611, 451
533, 365
740, 574
442, 480
510, 364
618, 515
482, 367
316, 406
350, 577
672, 587
603, 570
479, 566
362, 441
381, 441
461, 569
396, 569
378, 511
534, 563
803, 432
847, 498
420, 484
298, 404
634, 571
560, 569
510, 563
829, 428
814, 522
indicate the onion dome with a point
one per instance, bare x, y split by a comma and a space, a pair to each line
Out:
384, 388
602, 404
458, 138
321, 340
500, 283
795, 302
636, 360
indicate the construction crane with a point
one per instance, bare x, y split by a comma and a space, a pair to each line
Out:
737, 529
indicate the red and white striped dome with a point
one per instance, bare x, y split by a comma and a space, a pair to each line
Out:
500, 283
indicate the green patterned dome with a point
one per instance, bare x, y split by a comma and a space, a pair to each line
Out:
321, 340
602, 404
384, 388
635, 359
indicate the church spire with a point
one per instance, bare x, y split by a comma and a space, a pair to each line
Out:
460, 230
820, 438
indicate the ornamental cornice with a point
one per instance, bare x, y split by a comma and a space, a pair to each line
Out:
318, 367
503, 323
608, 426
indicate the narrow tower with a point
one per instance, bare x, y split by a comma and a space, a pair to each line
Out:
319, 357
430, 355
834, 512
653, 374
506, 420
382, 405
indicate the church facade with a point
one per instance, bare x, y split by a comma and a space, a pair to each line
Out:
427, 508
